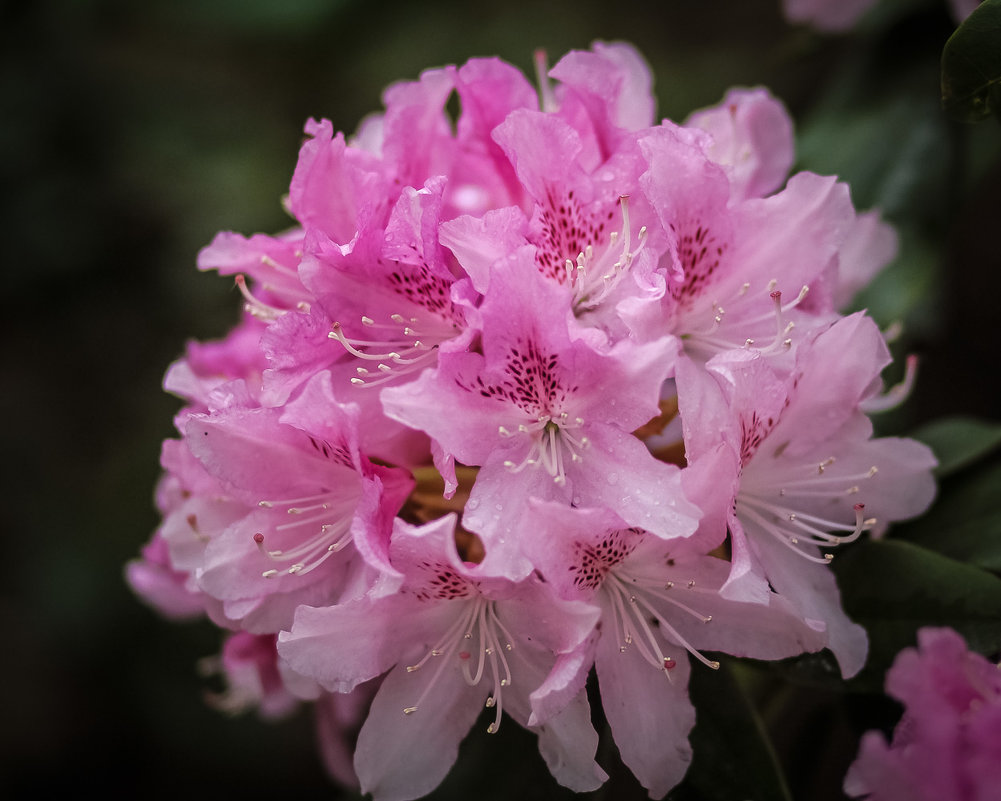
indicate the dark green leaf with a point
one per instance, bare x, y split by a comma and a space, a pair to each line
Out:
893, 588
734, 757
959, 441
965, 523
971, 65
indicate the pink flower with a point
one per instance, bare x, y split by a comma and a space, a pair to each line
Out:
439, 461
947, 746
249, 667
810, 477
303, 499
658, 599
542, 412
453, 641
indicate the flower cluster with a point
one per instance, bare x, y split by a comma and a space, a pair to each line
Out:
544, 388
947, 747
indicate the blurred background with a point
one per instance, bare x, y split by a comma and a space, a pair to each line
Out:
131, 132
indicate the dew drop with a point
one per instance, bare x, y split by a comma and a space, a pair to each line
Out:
613, 478
472, 504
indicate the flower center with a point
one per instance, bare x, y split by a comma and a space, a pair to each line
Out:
553, 442
595, 274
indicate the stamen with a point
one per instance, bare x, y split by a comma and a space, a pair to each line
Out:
546, 96
593, 278
551, 442
897, 394
478, 620
629, 604
334, 534
399, 354
255, 306
707, 340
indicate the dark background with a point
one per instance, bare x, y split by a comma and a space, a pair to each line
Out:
130, 132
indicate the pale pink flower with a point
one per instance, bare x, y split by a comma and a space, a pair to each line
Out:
752, 139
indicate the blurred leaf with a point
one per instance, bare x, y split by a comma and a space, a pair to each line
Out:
904, 292
734, 757
893, 588
959, 442
971, 65
965, 523
818, 670
890, 152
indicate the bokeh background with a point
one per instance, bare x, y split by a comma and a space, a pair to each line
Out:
130, 132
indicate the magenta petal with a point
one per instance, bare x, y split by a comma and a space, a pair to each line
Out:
567, 740
404, 756
379, 632
478, 242
752, 139
618, 471
813, 592
564, 682
650, 714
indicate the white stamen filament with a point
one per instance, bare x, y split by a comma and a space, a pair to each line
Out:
400, 353
551, 441
895, 395
706, 340
257, 307
631, 607
334, 533
593, 278
478, 620
546, 96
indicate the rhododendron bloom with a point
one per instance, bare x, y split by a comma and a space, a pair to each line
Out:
438, 470
453, 641
947, 747
810, 477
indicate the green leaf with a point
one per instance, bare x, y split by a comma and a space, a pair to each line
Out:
893, 588
965, 523
959, 441
733, 755
971, 65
